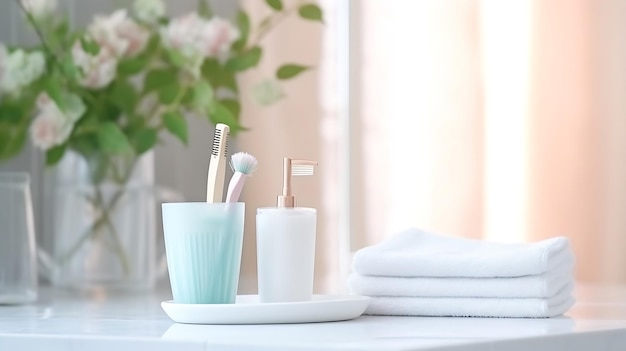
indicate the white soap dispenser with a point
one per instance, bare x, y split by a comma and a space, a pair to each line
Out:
285, 237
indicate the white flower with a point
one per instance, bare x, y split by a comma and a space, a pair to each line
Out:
98, 70
52, 126
21, 69
39, 8
49, 129
193, 36
219, 35
149, 11
119, 33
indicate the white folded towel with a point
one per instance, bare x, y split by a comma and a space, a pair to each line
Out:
540, 286
471, 307
416, 253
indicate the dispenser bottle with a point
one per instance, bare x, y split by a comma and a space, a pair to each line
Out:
285, 238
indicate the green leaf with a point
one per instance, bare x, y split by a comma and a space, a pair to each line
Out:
311, 12
12, 140
5, 139
233, 106
289, 71
245, 60
52, 87
177, 59
203, 96
132, 66
158, 78
175, 122
224, 115
168, 93
243, 22
124, 95
218, 76
11, 112
89, 46
85, 144
275, 4
54, 155
204, 9
62, 29
144, 140
70, 69
112, 140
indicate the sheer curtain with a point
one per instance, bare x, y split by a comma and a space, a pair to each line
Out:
498, 120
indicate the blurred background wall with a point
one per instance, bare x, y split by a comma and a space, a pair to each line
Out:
499, 120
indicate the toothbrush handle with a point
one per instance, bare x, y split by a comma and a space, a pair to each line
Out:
235, 186
215, 179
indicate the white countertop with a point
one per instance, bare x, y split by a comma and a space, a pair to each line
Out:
64, 321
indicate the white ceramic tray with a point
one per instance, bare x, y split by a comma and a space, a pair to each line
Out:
248, 310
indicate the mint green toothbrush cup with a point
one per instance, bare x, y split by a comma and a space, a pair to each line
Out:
203, 244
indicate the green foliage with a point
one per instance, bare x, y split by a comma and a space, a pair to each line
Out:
132, 66
124, 96
144, 139
204, 9
158, 78
152, 91
203, 96
289, 71
169, 92
311, 12
89, 46
54, 155
243, 23
245, 60
275, 4
176, 124
112, 139
222, 114
218, 76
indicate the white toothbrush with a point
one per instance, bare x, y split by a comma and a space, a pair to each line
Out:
243, 164
217, 164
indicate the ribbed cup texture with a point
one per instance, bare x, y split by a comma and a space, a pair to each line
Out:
203, 247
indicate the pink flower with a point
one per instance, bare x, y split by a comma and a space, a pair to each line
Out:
119, 34
219, 35
194, 36
49, 129
52, 126
98, 70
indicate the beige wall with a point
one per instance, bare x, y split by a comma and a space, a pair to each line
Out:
426, 102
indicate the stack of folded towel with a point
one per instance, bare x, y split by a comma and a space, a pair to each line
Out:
416, 273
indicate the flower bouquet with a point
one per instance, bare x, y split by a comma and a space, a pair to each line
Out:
108, 92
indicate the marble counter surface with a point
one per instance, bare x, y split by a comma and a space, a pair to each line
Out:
64, 321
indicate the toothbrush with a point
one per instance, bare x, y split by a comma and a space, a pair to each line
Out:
291, 168
243, 165
217, 164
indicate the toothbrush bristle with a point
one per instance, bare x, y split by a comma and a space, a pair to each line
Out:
244, 163
220, 139
216, 142
302, 170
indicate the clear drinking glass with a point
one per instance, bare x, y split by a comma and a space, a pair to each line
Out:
18, 269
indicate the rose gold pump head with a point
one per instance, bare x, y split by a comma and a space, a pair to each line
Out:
293, 168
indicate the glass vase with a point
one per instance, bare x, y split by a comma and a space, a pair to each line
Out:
103, 223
